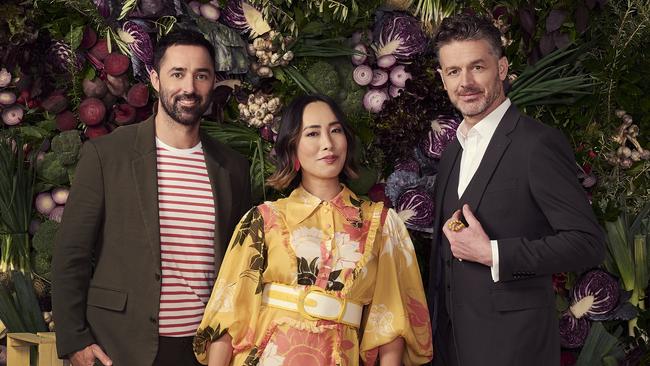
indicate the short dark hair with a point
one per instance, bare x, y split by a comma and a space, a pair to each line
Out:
289, 135
180, 37
468, 27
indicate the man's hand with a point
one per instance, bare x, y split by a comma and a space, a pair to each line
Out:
87, 356
469, 243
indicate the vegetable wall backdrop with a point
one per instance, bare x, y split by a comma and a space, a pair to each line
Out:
73, 70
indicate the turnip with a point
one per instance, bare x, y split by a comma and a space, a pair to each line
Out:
44, 203
60, 195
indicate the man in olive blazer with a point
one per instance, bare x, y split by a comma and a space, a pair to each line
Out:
510, 213
107, 256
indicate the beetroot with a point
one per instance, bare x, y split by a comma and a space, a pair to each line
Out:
124, 114
138, 95
100, 50
66, 121
116, 64
92, 111
55, 103
96, 131
89, 39
117, 85
95, 88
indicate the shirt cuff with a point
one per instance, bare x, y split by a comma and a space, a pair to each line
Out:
495, 261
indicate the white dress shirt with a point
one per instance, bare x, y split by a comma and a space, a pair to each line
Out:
474, 141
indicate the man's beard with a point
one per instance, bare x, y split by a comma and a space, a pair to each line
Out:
479, 107
185, 115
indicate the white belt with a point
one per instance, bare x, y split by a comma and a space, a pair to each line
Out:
312, 303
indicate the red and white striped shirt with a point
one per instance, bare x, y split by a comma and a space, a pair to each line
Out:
187, 218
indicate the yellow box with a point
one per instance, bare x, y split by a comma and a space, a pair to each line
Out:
19, 344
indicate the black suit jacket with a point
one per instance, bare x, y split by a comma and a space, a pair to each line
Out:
526, 195
106, 265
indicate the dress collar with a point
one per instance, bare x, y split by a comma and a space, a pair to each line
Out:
302, 204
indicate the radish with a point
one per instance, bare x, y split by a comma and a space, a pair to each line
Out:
398, 76
374, 100
361, 56
196, 7
386, 61
56, 214
362, 75
379, 78
44, 203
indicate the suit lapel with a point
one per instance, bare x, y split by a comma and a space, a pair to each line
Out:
146, 183
222, 192
497, 146
444, 173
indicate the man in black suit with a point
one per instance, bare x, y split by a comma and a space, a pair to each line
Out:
510, 214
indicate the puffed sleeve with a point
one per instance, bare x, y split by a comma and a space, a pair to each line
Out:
398, 307
236, 297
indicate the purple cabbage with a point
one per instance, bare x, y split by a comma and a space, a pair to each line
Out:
408, 165
141, 47
573, 332
245, 18
400, 35
595, 295
443, 132
398, 182
420, 203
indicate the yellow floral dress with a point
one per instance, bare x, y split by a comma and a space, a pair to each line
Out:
350, 248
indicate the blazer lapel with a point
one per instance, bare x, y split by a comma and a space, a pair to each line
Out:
497, 146
221, 191
442, 180
145, 176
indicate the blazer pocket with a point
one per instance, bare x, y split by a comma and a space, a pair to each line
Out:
106, 298
521, 299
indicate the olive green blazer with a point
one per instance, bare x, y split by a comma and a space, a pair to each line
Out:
106, 268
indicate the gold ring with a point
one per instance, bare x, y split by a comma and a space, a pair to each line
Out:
455, 225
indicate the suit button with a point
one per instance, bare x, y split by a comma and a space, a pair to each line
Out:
153, 319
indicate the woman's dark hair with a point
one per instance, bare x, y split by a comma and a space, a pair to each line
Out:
468, 27
180, 37
289, 135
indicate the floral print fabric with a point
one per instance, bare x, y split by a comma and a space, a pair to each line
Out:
350, 248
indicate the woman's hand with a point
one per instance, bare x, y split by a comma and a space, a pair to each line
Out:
220, 351
390, 354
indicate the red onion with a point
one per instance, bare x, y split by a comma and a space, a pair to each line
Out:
379, 77
5, 77
398, 76
60, 195
362, 75
386, 61
12, 115
394, 91
374, 100
44, 203
56, 214
7, 98
359, 58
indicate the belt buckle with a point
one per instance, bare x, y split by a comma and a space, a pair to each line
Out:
303, 297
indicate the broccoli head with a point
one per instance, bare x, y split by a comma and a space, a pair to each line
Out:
324, 77
67, 145
52, 170
43, 240
42, 264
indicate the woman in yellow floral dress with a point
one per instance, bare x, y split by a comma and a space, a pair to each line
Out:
321, 277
